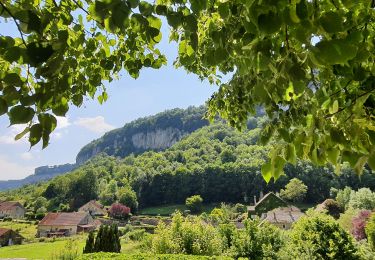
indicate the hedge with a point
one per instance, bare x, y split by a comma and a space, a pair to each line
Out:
114, 256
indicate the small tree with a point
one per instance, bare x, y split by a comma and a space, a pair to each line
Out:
332, 207
294, 191
119, 211
359, 224
107, 239
128, 197
90, 244
194, 203
370, 231
343, 197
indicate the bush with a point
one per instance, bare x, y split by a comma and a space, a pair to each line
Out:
362, 199
101, 256
240, 208
187, 236
107, 240
370, 231
119, 211
332, 208
257, 241
319, 236
359, 223
194, 203
136, 235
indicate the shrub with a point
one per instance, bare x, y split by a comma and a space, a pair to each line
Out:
343, 197
119, 211
136, 235
194, 203
240, 208
107, 239
187, 236
359, 224
257, 241
320, 237
370, 231
332, 208
362, 199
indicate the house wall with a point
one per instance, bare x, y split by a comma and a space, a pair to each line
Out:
16, 212
43, 230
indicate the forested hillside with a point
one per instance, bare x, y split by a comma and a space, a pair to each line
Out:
156, 133
217, 162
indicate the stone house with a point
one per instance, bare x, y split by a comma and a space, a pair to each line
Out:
269, 202
94, 208
66, 224
12, 209
9, 237
283, 217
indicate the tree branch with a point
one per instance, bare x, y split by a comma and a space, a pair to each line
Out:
15, 21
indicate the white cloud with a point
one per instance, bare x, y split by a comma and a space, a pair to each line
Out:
13, 171
62, 122
27, 156
94, 124
8, 138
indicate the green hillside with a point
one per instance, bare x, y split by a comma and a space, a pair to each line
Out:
217, 162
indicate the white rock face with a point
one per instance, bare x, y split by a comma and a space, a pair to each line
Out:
159, 139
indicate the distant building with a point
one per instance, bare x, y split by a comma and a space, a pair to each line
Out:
94, 208
11, 209
66, 224
283, 217
269, 202
9, 237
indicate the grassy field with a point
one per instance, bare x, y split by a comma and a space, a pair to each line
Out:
52, 249
26, 230
169, 209
42, 250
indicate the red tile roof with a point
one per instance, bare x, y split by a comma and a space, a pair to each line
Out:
6, 205
3, 231
63, 219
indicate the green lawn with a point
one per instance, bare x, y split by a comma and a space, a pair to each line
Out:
169, 209
42, 250
28, 231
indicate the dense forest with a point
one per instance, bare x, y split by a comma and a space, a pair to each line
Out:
216, 161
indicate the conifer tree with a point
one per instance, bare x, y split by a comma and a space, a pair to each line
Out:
90, 243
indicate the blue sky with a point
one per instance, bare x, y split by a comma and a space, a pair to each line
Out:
154, 91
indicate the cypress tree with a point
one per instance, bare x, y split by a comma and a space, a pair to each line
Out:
89, 247
98, 240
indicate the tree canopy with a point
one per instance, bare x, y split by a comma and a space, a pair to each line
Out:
310, 64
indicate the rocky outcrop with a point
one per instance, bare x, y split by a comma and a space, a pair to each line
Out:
157, 140
155, 133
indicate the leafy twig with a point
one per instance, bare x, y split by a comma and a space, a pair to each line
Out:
15, 21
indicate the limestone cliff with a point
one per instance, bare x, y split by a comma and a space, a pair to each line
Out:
156, 133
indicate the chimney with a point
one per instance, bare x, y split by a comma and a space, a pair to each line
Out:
255, 200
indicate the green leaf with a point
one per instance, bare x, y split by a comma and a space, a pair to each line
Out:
371, 161
20, 115
12, 79
267, 171
36, 132
333, 155
335, 107
224, 10
145, 8
269, 23
61, 107
22, 134
332, 52
360, 165
3, 106
133, 3
291, 155
48, 122
332, 22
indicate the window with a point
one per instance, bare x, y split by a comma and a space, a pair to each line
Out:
284, 227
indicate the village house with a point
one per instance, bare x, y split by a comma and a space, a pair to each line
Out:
11, 209
66, 224
283, 217
9, 237
94, 208
266, 203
